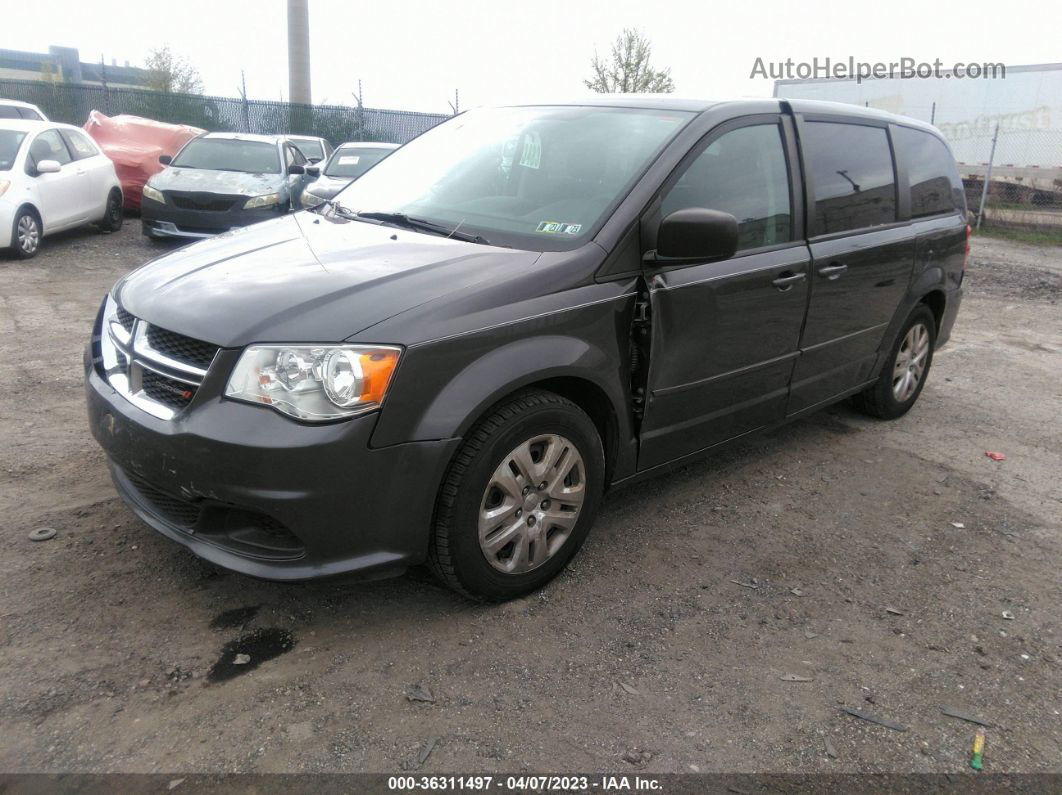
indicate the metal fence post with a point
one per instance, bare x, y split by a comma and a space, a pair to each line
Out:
988, 178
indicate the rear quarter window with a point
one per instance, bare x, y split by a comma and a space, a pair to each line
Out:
931, 173
852, 175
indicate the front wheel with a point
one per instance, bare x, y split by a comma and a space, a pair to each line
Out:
26, 234
519, 498
906, 369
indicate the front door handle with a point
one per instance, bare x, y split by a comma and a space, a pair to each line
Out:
786, 280
833, 270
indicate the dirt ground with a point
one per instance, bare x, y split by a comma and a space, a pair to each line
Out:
719, 618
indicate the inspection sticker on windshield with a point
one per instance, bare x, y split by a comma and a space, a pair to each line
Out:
557, 228
531, 157
348, 160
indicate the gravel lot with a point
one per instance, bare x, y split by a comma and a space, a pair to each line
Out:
875, 560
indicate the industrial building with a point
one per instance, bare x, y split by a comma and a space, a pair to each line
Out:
64, 64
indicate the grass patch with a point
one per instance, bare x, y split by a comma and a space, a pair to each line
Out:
1035, 237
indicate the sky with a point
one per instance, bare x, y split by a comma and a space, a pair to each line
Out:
413, 54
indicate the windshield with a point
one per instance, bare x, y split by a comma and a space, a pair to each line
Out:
229, 154
350, 162
309, 148
540, 178
10, 141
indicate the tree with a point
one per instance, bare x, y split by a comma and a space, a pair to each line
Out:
172, 74
627, 70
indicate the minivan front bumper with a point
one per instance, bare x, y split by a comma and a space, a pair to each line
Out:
255, 492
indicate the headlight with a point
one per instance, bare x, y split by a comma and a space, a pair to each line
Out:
314, 382
311, 199
154, 195
266, 200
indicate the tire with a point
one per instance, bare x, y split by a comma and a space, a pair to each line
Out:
892, 396
26, 233
113, 215
535, 536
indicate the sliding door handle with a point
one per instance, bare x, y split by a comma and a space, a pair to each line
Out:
787, 279
833, 270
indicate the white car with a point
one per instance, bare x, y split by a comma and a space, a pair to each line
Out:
52, 177
16, 109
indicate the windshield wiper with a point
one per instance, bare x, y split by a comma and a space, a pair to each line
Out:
421, 225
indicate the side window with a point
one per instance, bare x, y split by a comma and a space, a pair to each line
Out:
80, 144
852, 174
931, 173
49, 146
9, 112
742, 172
29, 113
294, 156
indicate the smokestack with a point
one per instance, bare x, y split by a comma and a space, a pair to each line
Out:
298, 52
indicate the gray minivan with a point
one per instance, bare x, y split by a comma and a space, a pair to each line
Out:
453, 359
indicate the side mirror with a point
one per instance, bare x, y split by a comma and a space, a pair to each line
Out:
313, 171
696, 234
165, 159
296, 169
48, 167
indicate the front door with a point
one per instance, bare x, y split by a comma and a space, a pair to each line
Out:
725, 334
862, 259
62, 194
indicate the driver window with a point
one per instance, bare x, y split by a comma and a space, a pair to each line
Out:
743, 172
49, 146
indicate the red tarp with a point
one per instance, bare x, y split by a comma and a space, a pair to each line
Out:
134, 144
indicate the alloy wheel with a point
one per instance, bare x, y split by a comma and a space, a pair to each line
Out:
531, 504
911, 362
28, 234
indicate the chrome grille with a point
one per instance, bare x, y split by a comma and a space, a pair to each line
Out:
167, 391
157, 370
181, 348
125, 319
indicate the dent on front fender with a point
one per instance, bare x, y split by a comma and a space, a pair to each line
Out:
442, 388
436, 401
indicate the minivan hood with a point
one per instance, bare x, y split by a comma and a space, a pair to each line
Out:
232, 183
305, 278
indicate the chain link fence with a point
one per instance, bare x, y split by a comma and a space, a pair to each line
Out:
71, 103
1023, 169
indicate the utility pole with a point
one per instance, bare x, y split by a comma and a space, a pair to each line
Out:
299, 52
243, 102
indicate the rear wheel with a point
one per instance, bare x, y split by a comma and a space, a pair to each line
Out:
905, 370
26, 234
113, 216
519, 498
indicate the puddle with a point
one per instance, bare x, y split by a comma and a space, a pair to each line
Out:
235, 618
260, 646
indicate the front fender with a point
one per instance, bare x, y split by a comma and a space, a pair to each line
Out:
471, 390
443, 387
